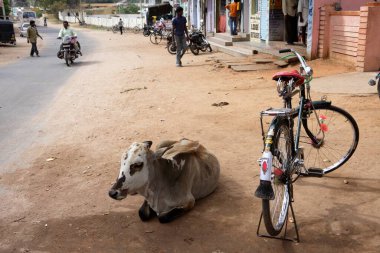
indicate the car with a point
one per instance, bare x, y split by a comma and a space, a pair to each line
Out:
23, 29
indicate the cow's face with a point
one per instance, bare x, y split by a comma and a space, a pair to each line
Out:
134, 172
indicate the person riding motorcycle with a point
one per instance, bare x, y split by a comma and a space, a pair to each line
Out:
66, 31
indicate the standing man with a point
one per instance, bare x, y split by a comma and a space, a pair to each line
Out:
289, 8
232, 7
180, 30
121, 25
32, 35
303, 14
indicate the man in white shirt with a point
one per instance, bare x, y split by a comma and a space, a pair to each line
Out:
66, 31
289, 8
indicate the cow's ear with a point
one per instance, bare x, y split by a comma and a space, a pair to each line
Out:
148, 144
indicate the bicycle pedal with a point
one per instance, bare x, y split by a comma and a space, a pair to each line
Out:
314, 172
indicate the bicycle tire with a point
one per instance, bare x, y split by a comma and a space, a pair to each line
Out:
136, 29
329, 148
275, 211
155, 38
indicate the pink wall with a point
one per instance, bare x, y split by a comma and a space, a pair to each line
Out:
347, 5
372, 49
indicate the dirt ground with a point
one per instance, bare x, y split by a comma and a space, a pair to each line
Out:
63, 205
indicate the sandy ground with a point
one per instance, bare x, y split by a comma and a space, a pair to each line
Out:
63, 206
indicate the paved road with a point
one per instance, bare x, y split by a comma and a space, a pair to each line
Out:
346, 83
26, 88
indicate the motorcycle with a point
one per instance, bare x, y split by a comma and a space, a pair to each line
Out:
171, 45
68, 52
373, 83
198, 42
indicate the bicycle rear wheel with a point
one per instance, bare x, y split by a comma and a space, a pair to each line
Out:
329, 137
275, 211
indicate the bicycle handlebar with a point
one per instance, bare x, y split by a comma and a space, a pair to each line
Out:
308, 70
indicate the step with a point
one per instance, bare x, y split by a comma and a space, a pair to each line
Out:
219, 41
234, 51
232, 38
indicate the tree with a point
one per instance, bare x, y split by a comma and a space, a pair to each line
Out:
7, 9
129, 9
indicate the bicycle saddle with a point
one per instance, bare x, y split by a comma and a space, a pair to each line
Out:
287, 75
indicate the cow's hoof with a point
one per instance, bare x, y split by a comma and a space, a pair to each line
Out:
146, 213
172, 215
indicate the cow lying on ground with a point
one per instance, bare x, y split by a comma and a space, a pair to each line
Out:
170, 179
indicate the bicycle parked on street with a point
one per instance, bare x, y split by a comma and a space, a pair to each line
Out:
311, 140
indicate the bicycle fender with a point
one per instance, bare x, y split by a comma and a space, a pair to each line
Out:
321, 102
265, 190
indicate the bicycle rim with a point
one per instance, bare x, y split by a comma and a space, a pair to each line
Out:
275, 211
335, 134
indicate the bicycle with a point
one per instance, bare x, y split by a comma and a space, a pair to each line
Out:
156, 37
312, 139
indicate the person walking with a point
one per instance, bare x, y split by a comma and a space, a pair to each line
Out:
232, 7
181, 34
32, 34
289, 9
303, 15
121, 26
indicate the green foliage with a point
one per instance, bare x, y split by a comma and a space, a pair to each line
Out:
100, 1
57, 6
129, 9
7, 8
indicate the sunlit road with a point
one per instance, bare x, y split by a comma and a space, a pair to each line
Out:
26, 88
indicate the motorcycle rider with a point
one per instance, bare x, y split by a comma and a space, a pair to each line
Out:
66, 31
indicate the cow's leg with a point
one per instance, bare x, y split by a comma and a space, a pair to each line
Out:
146, 212
172, 215
176, 212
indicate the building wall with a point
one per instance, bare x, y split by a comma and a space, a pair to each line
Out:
351, 36
347, 5
369, 37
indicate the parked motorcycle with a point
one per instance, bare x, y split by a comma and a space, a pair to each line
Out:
68, 52
373, 83
198, 42
171, 45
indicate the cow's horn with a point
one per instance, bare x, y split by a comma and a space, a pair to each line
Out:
148, 143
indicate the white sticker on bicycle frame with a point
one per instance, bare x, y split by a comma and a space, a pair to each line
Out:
266, 166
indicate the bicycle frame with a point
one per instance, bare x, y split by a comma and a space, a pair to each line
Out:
265, 191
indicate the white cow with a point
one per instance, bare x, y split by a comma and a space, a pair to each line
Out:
170, 179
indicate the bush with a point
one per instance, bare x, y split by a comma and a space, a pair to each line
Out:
129, 9
56, 7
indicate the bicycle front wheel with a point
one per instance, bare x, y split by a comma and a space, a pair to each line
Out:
329, 137
155, 38
136, 29
275, 211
